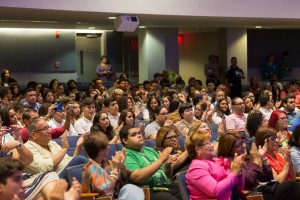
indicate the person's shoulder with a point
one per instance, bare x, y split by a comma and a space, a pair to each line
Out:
150, 126
231, 116
79, 121
149, 149
199, 164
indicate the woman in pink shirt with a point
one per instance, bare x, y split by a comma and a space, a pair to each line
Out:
209, 177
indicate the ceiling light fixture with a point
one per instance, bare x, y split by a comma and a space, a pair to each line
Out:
257, 26
92, 28
112, 17
142, 26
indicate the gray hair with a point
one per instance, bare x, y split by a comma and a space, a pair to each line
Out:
31, 127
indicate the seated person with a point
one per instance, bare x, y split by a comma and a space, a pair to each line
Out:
12, 147
29, 115
147, 166
83, 124
101, 124
31, 99
12, 186
160, 120
166, 137
282, 166
103, 176
187, 118
294, 143
208, 179
256, 170
113, 111
47, 154
59, 119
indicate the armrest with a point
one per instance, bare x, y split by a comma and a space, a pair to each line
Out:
88, 196
105, 198
146, 191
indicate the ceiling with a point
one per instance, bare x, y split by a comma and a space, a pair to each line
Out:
33, 18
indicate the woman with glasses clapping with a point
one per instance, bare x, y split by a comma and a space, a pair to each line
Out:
167, 137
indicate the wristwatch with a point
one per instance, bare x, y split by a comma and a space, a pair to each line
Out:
19, 146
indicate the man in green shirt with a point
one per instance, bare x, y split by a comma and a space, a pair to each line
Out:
147, 166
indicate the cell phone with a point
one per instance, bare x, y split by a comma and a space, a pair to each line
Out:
58, 107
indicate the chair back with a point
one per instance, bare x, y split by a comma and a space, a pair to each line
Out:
75, 171
57, 140
151, 143
71, 151
214, 133
181, 142
181, 178
113, 148
72, 140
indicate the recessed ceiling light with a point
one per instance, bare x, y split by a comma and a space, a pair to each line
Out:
112, 18
142, 26
92, 28
257, 26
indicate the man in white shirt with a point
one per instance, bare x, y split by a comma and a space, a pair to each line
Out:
266, 106
84, 124
47, 154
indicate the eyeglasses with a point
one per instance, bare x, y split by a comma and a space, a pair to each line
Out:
174, 137
206, 144
241, 103
43, 129
273, 138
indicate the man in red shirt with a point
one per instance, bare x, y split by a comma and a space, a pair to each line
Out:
30, 114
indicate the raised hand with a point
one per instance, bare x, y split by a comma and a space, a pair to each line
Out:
16, 131
64, 140
164, 155
80, 140
237, 163
282, 136
168, 122
263, 150
9, 145
287, 154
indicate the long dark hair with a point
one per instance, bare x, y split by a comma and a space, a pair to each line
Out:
122, 118
220, 113
151, 111
4, 114
96, 126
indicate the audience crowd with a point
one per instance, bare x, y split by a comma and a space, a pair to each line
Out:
237, 142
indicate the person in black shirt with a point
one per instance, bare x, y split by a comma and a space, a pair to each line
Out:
234, 77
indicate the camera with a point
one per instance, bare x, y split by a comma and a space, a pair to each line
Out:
71, 107
58, 107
